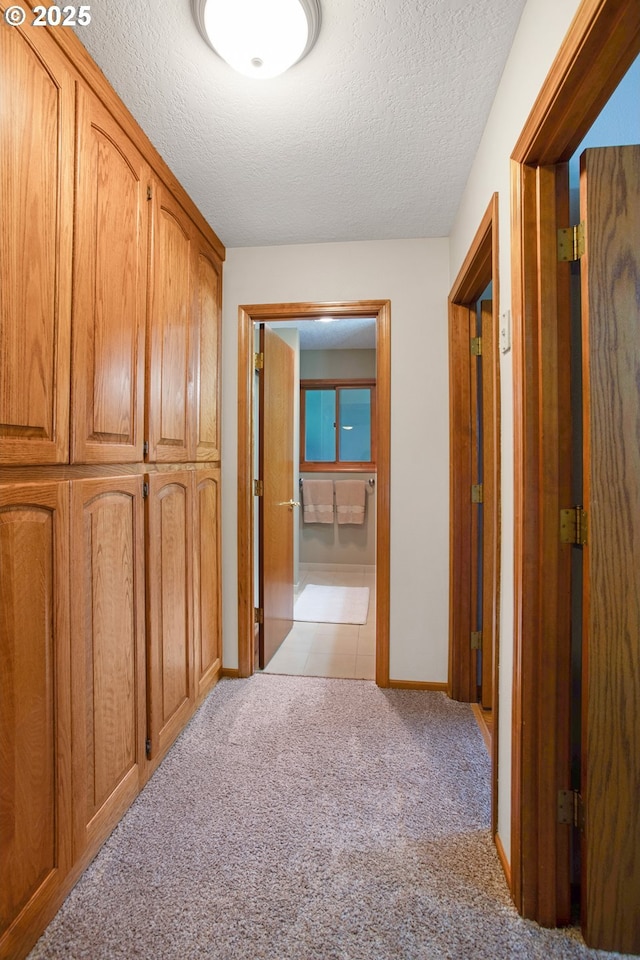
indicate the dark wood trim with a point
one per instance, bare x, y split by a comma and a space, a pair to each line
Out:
356, 383
261, 313
480, 266
230, 673
601, 44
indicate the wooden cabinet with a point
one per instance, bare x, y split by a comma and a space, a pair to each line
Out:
206, 579
108, 653
170, 660
171, 366
109, 290
207, 309
35, 761
36, 198
110, 303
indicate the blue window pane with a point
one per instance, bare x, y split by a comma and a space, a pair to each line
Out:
320, 426
355, 425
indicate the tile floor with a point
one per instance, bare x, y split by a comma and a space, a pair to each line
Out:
342, 650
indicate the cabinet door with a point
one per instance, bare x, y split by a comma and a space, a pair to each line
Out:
109, 290
170, 605
171, 348
206, 579
36, 210
35, 762
107, 630
207, 307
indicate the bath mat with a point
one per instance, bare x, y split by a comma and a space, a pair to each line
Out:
322, 604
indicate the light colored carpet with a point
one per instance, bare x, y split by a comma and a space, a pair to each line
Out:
300, 818
327, 604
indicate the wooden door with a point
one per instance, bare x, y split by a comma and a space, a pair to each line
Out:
207, 580
108, 653
170, 659
35, 760
170, 373
109, 290
207, 307
277, 503
488, 546
36, 204
610, 276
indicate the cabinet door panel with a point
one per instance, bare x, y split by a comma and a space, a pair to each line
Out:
206, 579
107, 625
207, 330
109, 290
35, 846
170, 604
171, 347
36, 208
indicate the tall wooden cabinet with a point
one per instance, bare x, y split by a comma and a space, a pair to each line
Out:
36, 235
35, 704
110, 301
108, 652
109, 289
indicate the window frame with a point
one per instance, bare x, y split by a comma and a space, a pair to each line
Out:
337, 466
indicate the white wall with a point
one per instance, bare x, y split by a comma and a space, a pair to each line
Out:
542, 29
414, 276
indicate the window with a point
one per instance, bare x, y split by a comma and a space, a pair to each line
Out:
336, 424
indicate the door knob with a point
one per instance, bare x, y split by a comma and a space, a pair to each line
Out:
289, 503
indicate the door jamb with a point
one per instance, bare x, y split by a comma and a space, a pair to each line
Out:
600, 45
480, 266
248, 315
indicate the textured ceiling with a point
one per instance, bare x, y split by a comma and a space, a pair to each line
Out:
357, 333
371, 136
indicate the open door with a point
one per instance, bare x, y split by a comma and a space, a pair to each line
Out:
610, 286
277, 386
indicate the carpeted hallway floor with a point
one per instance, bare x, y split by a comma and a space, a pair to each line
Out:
307, 819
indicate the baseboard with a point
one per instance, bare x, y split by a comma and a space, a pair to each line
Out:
417, 685
232, 672
503, 859
481, 720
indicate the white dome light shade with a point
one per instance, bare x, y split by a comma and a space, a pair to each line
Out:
259, 38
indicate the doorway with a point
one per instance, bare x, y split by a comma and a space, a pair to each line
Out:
332, 627
601, 44
474, 387
249, 317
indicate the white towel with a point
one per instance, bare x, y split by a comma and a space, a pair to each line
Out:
317, 497
350, 500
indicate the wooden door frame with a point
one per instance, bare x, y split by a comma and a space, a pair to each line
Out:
601, 43
249, 315
480, 267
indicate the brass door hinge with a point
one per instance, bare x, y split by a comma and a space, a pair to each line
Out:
476, 346
574, 526
258, 615
571, 242
571, 808
258, 361
476, 639
258, 488
476, 493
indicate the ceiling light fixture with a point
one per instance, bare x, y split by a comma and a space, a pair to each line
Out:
326, 319
259, 38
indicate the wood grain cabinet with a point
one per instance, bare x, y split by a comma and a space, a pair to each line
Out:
170, 655
207, 309
206, 579
171, 352
35, 758
36, 210
108, 653
109, 289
